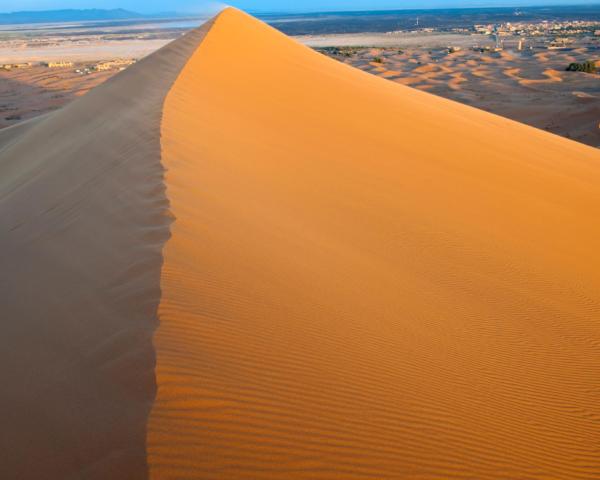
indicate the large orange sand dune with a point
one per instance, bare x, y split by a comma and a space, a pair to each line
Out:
337, 277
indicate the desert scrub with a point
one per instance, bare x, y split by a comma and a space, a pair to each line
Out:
588, 67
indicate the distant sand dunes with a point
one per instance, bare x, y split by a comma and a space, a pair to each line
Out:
304, 271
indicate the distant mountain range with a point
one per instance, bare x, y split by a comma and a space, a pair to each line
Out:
49, 16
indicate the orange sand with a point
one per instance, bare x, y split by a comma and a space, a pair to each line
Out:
367, 281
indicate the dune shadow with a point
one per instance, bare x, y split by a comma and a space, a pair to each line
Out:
85, 219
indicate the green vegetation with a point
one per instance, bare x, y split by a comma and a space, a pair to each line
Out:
587, 67
339, 51
378, 60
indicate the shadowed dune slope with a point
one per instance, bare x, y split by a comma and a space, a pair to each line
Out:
367, 281
83, 219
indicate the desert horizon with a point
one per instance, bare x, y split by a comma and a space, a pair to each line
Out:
238, 257
518, 68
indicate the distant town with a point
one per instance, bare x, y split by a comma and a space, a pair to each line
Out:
552, 35
86, 69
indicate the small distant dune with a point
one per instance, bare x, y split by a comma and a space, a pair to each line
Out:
584, 95
513, 73
552, 76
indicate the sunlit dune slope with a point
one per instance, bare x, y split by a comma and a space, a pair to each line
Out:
367, 281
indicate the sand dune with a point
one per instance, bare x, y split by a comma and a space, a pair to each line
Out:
551, 75
343, 277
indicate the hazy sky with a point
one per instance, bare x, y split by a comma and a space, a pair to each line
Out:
268, 5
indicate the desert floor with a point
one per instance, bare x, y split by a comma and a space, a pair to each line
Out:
28, 92
78, 51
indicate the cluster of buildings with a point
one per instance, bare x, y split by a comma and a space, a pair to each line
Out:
98, 67
119, 64
12, 66
58, 64
113, 64
544, 28
554, 35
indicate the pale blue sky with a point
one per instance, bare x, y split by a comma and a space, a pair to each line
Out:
148, 6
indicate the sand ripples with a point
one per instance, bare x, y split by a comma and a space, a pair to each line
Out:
342, 297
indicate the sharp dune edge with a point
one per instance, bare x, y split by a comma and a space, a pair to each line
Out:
241, 259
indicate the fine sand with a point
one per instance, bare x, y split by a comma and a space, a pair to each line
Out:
84, 218
302, 272
366, 281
